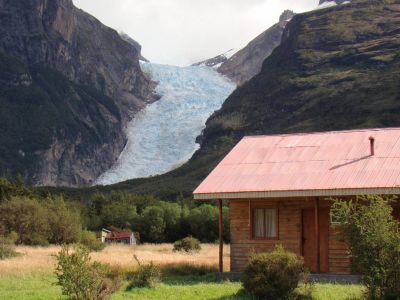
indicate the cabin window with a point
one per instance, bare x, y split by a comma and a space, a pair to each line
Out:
265, 223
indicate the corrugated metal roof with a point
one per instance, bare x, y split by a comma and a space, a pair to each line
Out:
336, 160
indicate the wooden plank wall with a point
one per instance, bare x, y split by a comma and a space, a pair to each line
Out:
290, 231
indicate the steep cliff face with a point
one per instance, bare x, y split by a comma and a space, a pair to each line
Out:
134, 43
247, 62
68, 86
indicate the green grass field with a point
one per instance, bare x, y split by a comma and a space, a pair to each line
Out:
30, 275
42, 286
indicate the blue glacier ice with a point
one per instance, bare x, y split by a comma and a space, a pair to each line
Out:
162, 136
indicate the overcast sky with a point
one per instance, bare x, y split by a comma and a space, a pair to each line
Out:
181, 32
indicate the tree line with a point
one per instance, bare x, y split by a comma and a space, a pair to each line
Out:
39, 220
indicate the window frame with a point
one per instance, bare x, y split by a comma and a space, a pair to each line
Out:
252, 219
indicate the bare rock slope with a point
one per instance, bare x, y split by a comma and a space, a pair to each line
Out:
68, 86
247, 62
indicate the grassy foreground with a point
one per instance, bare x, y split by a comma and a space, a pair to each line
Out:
42, 286
30, 276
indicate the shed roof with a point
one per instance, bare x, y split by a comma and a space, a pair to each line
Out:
308, 164
115, 235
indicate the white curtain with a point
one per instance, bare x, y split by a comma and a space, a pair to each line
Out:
270, 222
258, 222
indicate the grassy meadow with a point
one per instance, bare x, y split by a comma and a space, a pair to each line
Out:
30, 275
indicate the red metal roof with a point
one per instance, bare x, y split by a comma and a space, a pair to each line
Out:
119, 235
309, 161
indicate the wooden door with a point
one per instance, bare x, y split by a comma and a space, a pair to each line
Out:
309, 241
396, 212
316, 258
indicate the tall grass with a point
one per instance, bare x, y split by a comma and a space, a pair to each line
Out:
42, 259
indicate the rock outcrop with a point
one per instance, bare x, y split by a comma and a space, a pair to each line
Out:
215, 62
247, 62
135, 44
69, 85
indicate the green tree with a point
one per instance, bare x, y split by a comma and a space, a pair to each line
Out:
203, 222
373, 237
118, 214
153, 224
172, 217
10, 189
65, 222
28, 218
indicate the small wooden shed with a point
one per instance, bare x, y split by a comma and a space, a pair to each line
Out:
121, 237
279, 189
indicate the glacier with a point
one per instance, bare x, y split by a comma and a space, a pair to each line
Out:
162, 136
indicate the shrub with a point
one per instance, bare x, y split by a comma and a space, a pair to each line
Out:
81, 279
147, 275
273, 275
373, 238
89, 240
65, 222
7, 248
187, 244
31, 224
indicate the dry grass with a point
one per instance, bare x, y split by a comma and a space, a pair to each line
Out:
42, 259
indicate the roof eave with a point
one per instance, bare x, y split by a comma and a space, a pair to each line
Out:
300, 193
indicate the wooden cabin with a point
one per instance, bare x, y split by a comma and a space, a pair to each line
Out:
279, 189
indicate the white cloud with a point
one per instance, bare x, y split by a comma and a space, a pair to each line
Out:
185, 31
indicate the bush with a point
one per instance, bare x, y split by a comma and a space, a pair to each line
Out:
273, 275
89, 240
7, 248
187, 244
81, 279
373, 238
147, 275
40, 222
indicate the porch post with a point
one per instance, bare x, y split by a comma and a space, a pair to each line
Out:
221, 239
316, 209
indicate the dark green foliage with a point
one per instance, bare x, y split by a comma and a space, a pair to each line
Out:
187, 244
7, 247
10, 189
39, 222
80, 279
373, 237
28, 218
273, 275
203, 222
89, 240
65, 222
147, 275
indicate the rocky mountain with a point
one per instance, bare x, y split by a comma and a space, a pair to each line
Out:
217, 61
68, 85
336, 68
247, 62
134, 43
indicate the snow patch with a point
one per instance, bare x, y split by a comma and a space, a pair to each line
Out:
162, 136
326, 5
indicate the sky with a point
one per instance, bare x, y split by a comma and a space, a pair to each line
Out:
182, 32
